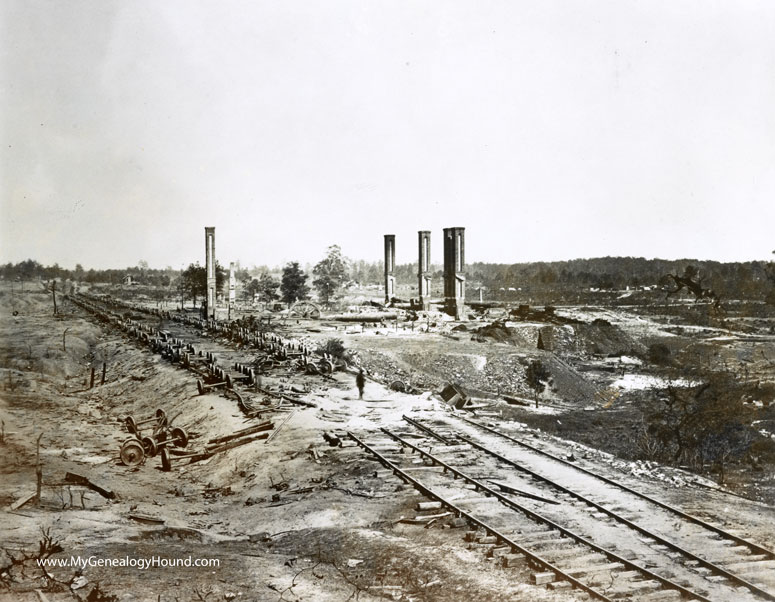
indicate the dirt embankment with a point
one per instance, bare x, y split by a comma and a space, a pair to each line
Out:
598, 337
427, 362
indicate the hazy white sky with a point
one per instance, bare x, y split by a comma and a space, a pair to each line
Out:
550, 130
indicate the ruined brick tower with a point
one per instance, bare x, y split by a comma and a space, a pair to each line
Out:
454, 264
210, 272
423, 269
390, 264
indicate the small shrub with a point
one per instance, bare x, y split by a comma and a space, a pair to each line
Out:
333, 347
659, 353
537, 377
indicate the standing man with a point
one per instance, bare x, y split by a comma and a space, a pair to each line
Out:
360, 382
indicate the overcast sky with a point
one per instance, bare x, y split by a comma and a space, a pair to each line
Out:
550, 130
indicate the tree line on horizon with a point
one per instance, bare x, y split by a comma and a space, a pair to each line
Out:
752, 280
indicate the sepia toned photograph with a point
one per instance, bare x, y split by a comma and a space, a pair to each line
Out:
373, 301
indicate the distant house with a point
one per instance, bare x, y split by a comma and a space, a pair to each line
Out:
128, 280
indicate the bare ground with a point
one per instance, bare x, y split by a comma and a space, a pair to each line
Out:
331, 534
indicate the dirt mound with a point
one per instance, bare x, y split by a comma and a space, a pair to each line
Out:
603, 338
387, 367
506, 373
547, 337
496, 332
488, 371
597, 338
567, 383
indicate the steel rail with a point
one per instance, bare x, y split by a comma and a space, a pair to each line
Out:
427, 430
718, 530
538, 560
539, 518
658, 538
107, 314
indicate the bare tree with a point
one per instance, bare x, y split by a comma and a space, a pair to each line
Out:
694, 286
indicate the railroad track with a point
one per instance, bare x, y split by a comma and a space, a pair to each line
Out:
722, 571
194, 330
509, 529
725, 554
221, 355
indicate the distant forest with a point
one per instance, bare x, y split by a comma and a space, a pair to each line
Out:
753, 280
28, 270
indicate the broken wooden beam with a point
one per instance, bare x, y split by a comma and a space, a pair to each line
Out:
299, 402
510, 489
233, 444
332, 440
477, 406
23, 500
257, 413
264, 426
77, 479
421, 520
286, 398
510, 399
146, 519
281, 425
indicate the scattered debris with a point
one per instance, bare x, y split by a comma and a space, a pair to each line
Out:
454, 396
146, 519
421, 520
512, 400
332, 440
77, 479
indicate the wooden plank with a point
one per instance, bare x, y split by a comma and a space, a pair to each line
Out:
264, 426
748, 565
670, 594
23, 500
552, 537
511, 399
428, 517
586, 570
421, 520
448, 449
498, 551
146, 518
511, 560
281, 425
511, 489
543, 578
633, 587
